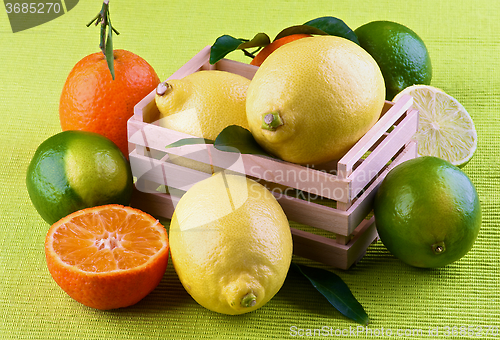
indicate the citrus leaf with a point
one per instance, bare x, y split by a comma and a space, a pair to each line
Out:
109, 53
235, 138
259, 40
335, 291
189, 141
299, 29
222, 46
333, 26
225, 44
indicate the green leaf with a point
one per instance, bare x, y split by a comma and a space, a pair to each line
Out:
222, 46
299, 29
235, 138
189, 141
226, 44
335, 291
333, 26
259, 40
109, 53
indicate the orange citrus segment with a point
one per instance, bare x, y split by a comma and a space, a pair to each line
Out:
123, 249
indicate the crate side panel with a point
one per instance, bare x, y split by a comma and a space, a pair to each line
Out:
347, 162
379, 157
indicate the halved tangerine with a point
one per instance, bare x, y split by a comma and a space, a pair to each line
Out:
107, 257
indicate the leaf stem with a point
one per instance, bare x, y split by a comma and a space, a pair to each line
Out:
106, 45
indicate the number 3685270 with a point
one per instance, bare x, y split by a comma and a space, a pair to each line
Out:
33, 7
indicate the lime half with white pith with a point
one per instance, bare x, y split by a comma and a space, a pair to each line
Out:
445, 129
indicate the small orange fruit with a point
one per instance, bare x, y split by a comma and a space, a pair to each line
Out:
266, 51
107, 257
92, 101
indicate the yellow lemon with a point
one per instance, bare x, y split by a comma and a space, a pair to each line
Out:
203, 103
312, 99
231, 243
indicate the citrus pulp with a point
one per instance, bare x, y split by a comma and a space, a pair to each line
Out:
73, 170
107, 257
400, 53
314, 98
427, 212
445, 129
231, 243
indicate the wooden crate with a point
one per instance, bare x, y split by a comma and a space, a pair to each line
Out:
349, 184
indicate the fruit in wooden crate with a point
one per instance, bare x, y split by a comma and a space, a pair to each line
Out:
203, 103
427, 212
445, 129
231, 243
266, 51
91, 100
73, 170
107, 257
314, 98
400, 53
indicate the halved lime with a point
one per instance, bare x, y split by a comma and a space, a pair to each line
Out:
445, 129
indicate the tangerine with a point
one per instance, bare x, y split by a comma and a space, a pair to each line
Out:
107, 257
266, 51
92, 101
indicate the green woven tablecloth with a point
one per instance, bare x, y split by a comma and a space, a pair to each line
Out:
463, 38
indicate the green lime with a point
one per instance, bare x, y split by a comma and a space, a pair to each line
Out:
73, 170
399, 52
427, 212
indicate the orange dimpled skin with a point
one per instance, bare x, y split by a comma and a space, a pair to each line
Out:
92, 101
107, 257
266, 51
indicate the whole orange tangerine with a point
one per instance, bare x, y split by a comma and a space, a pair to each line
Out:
266, 51
92, 101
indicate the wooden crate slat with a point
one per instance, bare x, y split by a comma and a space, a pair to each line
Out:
347, 162
384, 152
164, 173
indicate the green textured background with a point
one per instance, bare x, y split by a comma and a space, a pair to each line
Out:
463, 38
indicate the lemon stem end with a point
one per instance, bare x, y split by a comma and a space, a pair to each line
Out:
163, 88
248, 300
271, 121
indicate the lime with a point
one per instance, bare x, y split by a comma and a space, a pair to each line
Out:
312, 99
230, 243
400, 53
73, 170
427, 212
445, 129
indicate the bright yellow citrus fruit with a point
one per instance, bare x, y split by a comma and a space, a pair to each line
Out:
400, 53
312, 99
73, 170
203, 103
427, 212
445, 129
107, 257
231, 244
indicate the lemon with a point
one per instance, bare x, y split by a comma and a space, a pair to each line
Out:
231, 243
312, 99
73, 170
400, 53
427, 212
203, 103
445, 129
